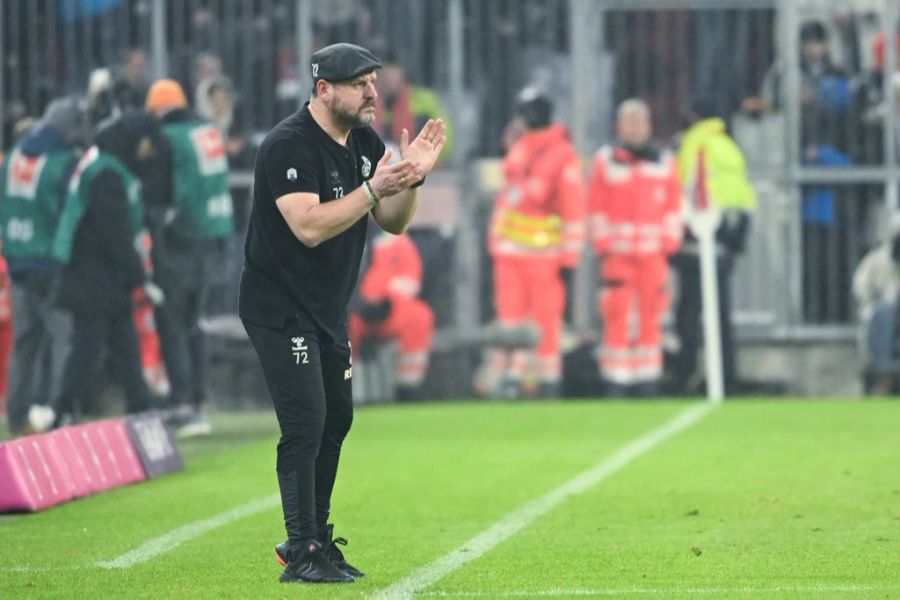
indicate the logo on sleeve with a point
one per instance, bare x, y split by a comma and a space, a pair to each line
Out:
292, 174
366, 166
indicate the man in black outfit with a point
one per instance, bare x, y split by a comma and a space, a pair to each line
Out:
96, 240
318, 175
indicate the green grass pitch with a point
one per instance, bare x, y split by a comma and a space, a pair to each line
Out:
758, 499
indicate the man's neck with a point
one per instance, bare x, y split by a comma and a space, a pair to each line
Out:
322, 116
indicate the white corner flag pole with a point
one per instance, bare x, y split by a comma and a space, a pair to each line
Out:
705, 226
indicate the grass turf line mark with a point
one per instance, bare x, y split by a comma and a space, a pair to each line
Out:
797, 589
171, 539
517, 520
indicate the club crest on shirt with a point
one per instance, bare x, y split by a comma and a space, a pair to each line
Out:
292, 174
366, 166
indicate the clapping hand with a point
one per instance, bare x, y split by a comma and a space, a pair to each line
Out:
423, 151
417, 160
390, 179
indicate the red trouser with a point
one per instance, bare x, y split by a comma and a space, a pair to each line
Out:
152, 363
531, 287
629, 283
411, 323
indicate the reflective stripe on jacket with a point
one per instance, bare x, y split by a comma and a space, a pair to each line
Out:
635, 203
540, 209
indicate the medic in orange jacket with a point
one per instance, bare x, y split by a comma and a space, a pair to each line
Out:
536, 235
636, 222
393, 281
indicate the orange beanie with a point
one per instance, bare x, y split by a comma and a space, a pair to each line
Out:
165, 93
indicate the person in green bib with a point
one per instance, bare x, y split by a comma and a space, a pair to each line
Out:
188, 245
34, 183
101, 229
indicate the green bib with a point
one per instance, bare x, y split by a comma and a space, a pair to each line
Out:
32, 202
91, 164
200, 168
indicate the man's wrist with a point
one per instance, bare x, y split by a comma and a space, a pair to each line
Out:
370, 193
417, 184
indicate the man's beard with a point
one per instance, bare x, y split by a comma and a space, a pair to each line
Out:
349, 119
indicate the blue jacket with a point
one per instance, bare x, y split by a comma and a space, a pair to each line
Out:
819, 201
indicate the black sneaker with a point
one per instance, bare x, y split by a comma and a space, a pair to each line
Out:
312, 566
283, 553
332, 552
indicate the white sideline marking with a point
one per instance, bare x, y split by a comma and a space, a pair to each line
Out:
37, 569
170, 540
798, 589
517, 520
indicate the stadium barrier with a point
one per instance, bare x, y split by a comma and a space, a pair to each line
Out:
40, 471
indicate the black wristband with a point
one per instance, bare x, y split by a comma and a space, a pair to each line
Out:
418, 184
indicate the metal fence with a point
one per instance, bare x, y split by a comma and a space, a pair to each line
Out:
819, 134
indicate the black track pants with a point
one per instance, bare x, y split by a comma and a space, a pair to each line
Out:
309, 381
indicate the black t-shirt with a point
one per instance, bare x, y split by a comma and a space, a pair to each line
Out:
282, 277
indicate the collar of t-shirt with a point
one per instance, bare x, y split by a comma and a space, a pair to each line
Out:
324, 134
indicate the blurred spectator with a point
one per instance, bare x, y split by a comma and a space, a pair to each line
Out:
205, 26
825, 241
389, 309
207, 67
113, 91
15, 114
826, 95
131, 79
537, 231
215, 102
876, 107
99, 100
189, 245
876, 284
402, 105
100, 229
836, 131
826, 92
733, 200
635, 205
35, 183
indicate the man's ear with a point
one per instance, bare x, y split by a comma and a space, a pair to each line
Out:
323, 88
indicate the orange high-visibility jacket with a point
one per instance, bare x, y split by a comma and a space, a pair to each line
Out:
541, 208
396, 269
635, 204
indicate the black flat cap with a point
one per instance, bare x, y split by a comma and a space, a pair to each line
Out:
340, 62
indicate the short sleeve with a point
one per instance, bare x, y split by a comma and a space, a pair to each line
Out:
375, 149
290, 167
